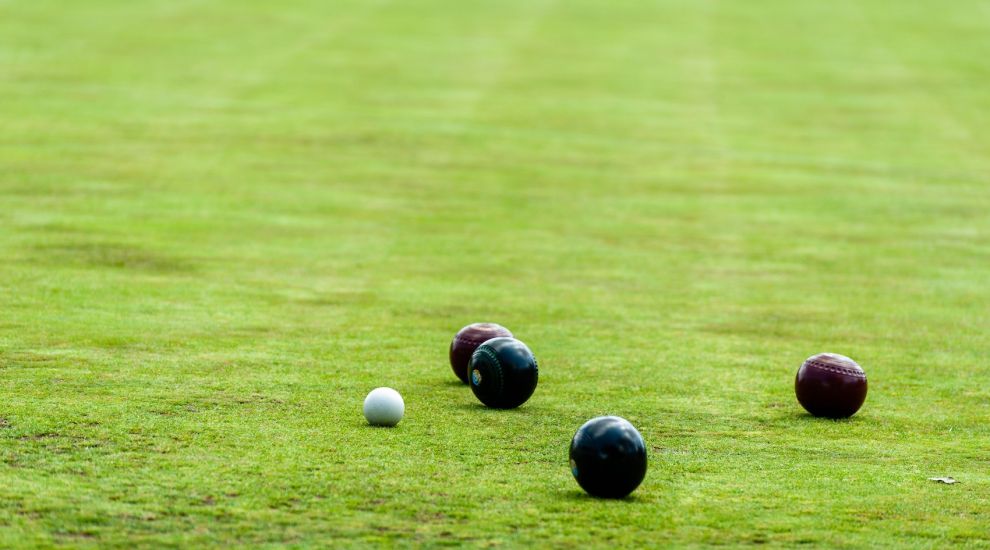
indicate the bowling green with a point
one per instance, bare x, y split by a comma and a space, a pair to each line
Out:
223, 223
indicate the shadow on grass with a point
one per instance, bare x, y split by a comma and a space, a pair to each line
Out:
578, 495
808, 417
480, 407
376, 427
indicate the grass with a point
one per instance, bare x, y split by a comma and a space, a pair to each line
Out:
223, 223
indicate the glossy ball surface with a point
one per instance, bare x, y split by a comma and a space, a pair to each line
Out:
384, 407
467, 340
830, 385
608, 457
503, 373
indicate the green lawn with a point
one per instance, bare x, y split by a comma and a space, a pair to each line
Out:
223, 222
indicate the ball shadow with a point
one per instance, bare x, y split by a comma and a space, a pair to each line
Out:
578, 495
808, 417
480, 407
374, 427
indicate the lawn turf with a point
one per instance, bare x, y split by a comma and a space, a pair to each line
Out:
222, 223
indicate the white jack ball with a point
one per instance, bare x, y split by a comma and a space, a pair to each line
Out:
384, 407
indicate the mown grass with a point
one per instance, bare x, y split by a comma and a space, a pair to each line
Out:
223, 223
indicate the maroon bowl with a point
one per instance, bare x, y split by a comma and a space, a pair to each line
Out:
467, 340
830, 385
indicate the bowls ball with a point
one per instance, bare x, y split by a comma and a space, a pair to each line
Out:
467, 340
830, 385
608, 457
503, 373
